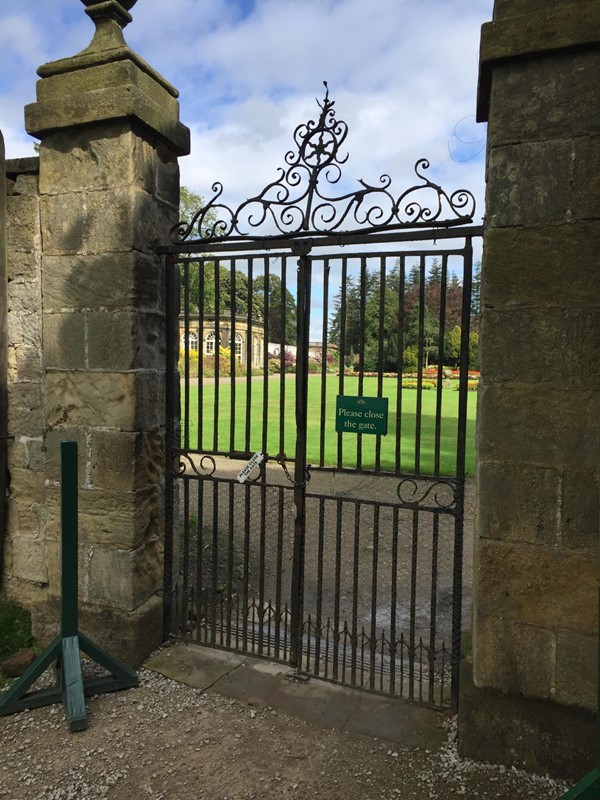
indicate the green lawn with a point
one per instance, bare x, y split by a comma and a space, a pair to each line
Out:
233, 432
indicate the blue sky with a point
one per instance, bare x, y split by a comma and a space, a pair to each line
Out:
403, 74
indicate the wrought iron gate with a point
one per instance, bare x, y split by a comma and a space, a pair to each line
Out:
336, 550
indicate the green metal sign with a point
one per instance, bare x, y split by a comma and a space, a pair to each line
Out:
361, 415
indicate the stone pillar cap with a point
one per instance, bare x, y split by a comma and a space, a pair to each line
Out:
106, 81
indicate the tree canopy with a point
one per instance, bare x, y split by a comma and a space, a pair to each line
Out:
212, 285
384, 330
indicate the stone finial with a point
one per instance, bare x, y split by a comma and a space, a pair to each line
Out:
109, 17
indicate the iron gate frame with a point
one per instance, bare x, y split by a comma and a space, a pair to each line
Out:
226, 237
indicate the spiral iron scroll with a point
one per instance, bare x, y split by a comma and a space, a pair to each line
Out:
298, 203
204, 469
442, 493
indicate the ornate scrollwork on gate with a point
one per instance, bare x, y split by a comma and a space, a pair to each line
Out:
298, 203
204, 469
414, 491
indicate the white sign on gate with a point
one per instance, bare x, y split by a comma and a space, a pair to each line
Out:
256, 459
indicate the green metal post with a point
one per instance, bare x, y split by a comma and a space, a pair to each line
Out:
65, 650
69, 540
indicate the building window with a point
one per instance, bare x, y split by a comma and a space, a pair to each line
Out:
209, 344
193, 341
239, 342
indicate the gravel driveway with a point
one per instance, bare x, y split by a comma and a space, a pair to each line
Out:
168, 741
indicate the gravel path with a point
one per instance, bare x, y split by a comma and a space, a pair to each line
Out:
167, 741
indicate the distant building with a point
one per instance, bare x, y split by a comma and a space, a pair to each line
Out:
241, 338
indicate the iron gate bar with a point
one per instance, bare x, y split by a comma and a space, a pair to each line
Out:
428, 234
172, 427
442, 328
343, 307
300, 472
399, 364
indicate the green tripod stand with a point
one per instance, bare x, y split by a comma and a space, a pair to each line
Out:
65, 650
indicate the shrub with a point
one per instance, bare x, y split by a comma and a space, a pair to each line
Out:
289, 361
15, 628
426, 385
410, 357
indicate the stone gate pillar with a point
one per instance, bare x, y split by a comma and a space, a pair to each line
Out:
533, 691
109, 191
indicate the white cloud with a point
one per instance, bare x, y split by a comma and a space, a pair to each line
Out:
402, 73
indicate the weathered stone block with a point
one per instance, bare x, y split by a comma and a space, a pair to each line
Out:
65, 106
537, 735
524, 191
127, 461
27, 485
514, 657
129, 637
89, 159
24, 518
27, 184
535, 585
29, 559
52, 442
123, 579
18, 455
539, 99
122, 400
64, 340
580, 511
518, 503
576, 669
26, 453
24, 363
25, 409
23, 267
23, 226
555, 428
23, 297
24, 328
23, 592
117, 220
563, 344
524, 267
123, 341
36, 454
109, 281
124, 520
586, 203
515, 8
167, 173
64, 224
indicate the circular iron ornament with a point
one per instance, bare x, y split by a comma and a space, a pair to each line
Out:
298, 201
205, 469
411, 494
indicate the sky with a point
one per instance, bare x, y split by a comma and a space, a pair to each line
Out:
403, 74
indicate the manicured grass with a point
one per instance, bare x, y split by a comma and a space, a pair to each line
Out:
234, 433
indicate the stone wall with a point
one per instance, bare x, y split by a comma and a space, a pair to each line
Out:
25, 552
536, 577
87, 322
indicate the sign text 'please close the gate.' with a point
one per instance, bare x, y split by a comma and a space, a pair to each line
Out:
361, 415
